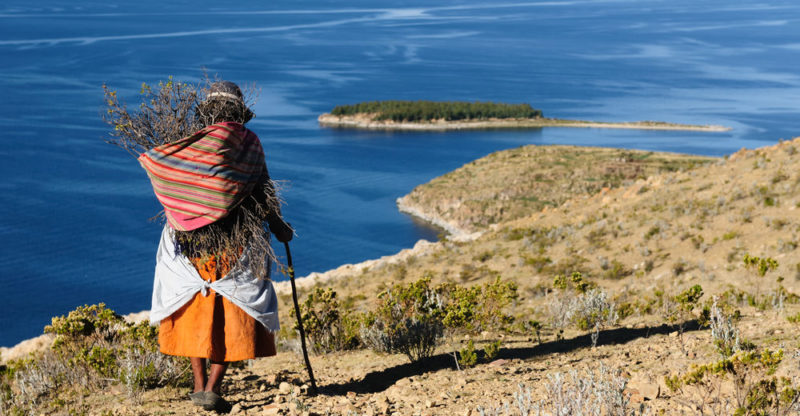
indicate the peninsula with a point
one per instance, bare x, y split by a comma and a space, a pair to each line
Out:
457, 115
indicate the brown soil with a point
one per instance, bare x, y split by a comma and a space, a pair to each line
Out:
661, 234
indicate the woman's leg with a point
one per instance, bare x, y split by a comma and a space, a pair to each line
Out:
215, 377
199, 372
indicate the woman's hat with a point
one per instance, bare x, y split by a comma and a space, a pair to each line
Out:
229, 92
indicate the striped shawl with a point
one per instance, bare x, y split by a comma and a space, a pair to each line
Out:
202, 178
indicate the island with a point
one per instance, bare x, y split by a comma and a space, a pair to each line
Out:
459, 115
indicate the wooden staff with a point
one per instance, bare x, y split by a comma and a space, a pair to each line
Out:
300, 320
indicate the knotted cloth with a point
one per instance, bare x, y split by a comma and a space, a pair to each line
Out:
202, 178
177, 282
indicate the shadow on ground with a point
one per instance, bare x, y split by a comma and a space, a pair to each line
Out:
379, 381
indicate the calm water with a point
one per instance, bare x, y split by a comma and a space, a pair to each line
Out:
73, 223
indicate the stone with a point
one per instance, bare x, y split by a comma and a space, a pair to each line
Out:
273, 379
498, 363
285, 388
236, 409
429, 403
270, 410
645, 386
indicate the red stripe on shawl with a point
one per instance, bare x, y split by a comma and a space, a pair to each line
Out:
192, 177
177, 204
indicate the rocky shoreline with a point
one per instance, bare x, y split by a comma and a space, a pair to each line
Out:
365, 122
455, 233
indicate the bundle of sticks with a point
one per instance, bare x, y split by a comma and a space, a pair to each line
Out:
171, 111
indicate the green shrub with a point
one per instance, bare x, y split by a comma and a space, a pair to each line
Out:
745, 381
327, 328
761, 265
412, 319
617, 270
580, 303
492, 350
477, 308
467, 357
538, 262
408, 320
93, 348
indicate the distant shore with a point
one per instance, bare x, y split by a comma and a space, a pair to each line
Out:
366, 122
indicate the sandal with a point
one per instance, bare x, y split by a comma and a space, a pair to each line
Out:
214, 401
198, 398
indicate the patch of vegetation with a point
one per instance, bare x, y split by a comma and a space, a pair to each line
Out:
761, 265
746, 381
93, 349
492, 350
467, 357
413, 319
421, 110
578, 302
616, 270
328, 328
408, 320
600, 392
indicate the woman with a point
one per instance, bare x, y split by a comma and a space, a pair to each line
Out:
212, 296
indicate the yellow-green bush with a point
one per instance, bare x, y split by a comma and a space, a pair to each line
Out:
327, 326
93, 347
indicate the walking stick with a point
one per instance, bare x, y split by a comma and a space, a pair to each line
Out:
300, 320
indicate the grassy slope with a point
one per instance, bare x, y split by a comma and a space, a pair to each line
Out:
515, 183
667, 232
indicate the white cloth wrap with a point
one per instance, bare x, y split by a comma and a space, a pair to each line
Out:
177, 281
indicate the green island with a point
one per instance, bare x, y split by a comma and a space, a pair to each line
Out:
461, 115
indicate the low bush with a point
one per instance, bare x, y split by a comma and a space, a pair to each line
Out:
327, 326
578, 302
413, 319
594, 393
723, 331
93, 348
467, 357
492, 350
743, 384
760, 265
408, 320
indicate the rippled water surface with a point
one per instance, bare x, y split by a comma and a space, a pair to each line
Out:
73, 223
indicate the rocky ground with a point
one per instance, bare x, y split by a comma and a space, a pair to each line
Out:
642, 241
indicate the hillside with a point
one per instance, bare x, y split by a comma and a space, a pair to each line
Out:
511, 184
643, 236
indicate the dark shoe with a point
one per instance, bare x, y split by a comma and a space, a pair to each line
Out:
198, 398
214, 401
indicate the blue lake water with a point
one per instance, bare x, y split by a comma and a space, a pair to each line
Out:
73, 222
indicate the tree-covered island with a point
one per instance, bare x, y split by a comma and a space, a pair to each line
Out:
417, 111
462, 115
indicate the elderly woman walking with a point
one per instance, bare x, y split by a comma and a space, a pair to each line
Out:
212, 297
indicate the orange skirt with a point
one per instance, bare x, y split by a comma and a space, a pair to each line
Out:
213, 327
